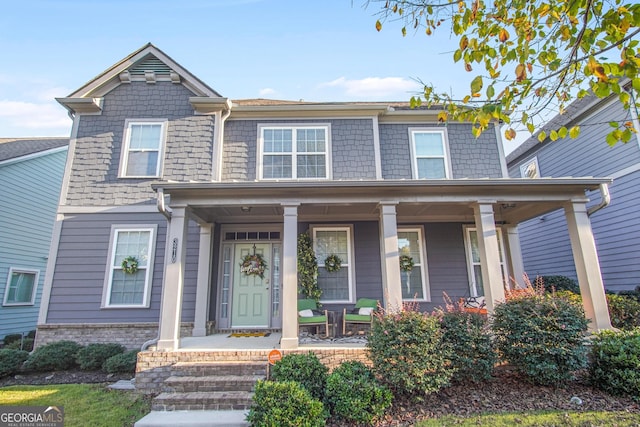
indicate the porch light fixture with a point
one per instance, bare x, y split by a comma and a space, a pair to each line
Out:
245, 209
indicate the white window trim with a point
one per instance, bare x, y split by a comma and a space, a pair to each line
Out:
525, 165
33, 291
106, 290
469, 257
124, 155
426, 288
260, 150
350, 262
445, 141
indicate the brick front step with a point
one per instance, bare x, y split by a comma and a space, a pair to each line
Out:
198, 401
185, 384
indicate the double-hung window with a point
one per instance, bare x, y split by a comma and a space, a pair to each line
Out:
474, 266
430, 158
413, 277
130, 288
336, 286
294, 152
21, 287
142, 150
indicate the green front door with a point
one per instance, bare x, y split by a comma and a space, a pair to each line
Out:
250, 307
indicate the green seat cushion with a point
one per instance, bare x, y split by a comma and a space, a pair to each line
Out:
307, 304
314, 319
367, 302
357, 318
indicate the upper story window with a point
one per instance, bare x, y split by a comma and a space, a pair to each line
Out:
430, 154
294, 152
21, 287
530, 169
142, 150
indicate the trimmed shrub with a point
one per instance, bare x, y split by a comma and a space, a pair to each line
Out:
56, 356
615, 362
284, 404
93, 356
542, 337
635, 294
624, 311
11, 361
560, 283
122, 363
408, 354
353, 394
11, 338
306, 369
26, 345
468, 339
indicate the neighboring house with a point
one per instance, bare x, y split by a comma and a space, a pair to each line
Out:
31, 172
546, 248
166, 172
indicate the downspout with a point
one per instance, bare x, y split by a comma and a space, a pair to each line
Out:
219, 141
166, 211
606, 199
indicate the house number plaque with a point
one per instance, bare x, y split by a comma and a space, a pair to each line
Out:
174, 251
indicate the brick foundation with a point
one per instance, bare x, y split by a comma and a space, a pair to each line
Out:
130, 335
155, 366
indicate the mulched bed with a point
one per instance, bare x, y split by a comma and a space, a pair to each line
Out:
63, 377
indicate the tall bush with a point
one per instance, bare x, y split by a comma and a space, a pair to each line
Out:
408, 354
307, 268
542, 336
305, 369
353, 394
284, 404
467, 336
615, 362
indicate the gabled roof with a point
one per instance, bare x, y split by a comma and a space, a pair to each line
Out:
11, 148
145, 64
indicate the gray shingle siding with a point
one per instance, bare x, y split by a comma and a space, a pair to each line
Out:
352, 148
470, 157
81, 263
188, 151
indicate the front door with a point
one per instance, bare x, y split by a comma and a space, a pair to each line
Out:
251, 292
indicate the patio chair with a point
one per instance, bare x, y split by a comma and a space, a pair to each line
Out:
362, 313
310, 315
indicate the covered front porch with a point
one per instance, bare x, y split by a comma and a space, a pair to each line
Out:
466, 229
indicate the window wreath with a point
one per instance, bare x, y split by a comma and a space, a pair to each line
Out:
130, 265
253, 265
333, 263
406, 263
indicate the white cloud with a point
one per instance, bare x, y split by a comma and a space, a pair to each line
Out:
267, 92
19, 118
376, 87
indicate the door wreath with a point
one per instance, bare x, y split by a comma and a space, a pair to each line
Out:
130, 265
253, 265
406, 263
333, 263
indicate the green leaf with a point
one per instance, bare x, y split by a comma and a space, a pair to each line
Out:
553, 135
613, 125
542, 136
476, 85
490, 92
457, 55
562, 132
611, 139
574, 132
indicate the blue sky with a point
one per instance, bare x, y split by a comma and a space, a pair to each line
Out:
316, 50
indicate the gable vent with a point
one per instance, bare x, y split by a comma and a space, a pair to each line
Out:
150, 63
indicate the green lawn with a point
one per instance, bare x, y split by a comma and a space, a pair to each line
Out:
84, 404
538, 419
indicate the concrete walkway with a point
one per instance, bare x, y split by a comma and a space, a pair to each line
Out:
194, 419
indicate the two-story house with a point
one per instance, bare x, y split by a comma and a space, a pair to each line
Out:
166, 173
545, 245
31, 172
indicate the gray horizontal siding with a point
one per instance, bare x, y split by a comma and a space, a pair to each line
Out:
188, 150
30, 192
352, 149
81, 263
470, 157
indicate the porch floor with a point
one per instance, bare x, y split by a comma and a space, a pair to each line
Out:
223, 341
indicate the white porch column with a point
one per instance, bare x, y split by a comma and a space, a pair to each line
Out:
290, 278
203, 284
391, 281
516, 266
175, 255
489, 254
585, 257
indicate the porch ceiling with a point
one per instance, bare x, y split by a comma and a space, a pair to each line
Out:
513, 200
